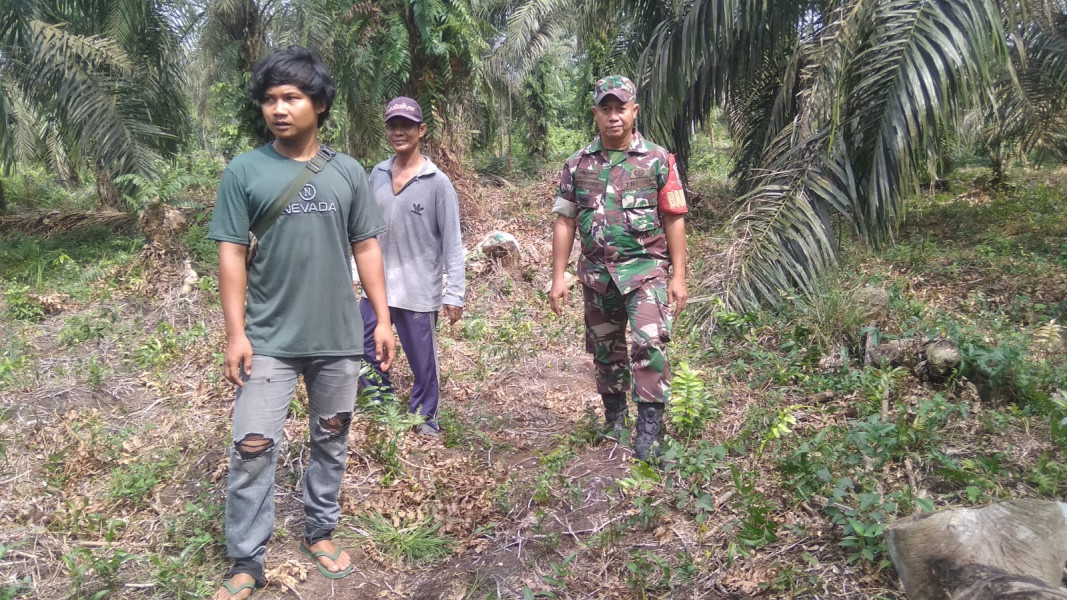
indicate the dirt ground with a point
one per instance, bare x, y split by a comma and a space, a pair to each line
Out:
113, 453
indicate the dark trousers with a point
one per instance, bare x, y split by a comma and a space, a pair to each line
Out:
418, 337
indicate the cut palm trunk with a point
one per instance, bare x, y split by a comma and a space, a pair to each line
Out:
1015, 549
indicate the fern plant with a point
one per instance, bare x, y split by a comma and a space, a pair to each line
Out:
1049, 336
388, 421
691, 405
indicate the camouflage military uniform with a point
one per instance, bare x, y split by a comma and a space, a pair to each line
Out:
616, 198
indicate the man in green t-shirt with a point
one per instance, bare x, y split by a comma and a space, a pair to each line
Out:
292, 313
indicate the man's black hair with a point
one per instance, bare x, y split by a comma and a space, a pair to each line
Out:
297, 66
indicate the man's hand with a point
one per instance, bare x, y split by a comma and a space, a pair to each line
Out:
562, 241
384, 345
677, 294
558, 295
452, 313
238, 354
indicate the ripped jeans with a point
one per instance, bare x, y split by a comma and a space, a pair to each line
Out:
258, 417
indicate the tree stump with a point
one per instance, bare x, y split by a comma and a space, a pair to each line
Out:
940, 358
163, 226
1014, 549
871, 302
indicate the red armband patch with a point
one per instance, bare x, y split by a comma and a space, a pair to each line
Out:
671, 199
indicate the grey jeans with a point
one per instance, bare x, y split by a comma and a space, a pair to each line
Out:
258, 418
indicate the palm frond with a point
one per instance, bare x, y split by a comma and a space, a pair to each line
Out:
782, 235
86, 99
1031, 108
919, 62
694, 59
880, 82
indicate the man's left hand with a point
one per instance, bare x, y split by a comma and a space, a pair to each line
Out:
384, 345
677, 294
452, 313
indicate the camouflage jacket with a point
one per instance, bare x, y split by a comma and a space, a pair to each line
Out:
617, 204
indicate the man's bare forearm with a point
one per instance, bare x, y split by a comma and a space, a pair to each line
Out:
562, 242
674, 227
233, 286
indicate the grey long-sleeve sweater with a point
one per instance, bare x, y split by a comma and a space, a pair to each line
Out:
423, 241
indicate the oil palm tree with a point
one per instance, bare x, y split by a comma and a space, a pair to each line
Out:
1030, 99
94, 80
427, 49
835, 106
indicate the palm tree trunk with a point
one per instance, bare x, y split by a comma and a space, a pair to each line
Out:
997, 159
108, 196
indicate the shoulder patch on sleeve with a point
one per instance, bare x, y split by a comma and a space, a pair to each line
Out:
672, 195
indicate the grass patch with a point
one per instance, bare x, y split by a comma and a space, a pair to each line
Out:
65, 263
413, 542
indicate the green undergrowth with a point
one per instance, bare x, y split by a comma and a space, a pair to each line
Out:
786, 456
859, 446
67, 264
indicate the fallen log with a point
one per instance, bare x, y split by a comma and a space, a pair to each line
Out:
55, 222
1014, 549
929, 360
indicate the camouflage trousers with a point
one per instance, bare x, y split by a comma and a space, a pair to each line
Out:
645, 369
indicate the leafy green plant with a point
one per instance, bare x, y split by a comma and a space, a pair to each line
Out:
388, 421
557, 580
166, 344
133, 481
863, 518
809, 465
552, 464
83, 565
878, 385
691, 405
688, 471
974, 478
930, 416
96, 371
875, 439
16, 589
414, 542
643, 481
1049, 477
647, 572
13, 360
79, 329
66, 262
22, 306
782, 425
1057, 412
166, 184
195, 530
754, 528
203, 252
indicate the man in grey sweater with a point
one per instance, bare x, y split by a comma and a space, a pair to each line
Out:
421, 211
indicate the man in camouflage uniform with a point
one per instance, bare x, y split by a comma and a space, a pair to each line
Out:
623, 195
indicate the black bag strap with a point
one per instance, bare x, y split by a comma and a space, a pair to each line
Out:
314, 166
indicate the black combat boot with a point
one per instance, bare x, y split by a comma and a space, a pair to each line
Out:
648, 443
615, 414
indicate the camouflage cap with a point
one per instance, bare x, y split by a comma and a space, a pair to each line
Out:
614, 85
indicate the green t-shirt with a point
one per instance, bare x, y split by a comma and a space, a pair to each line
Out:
300, 300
